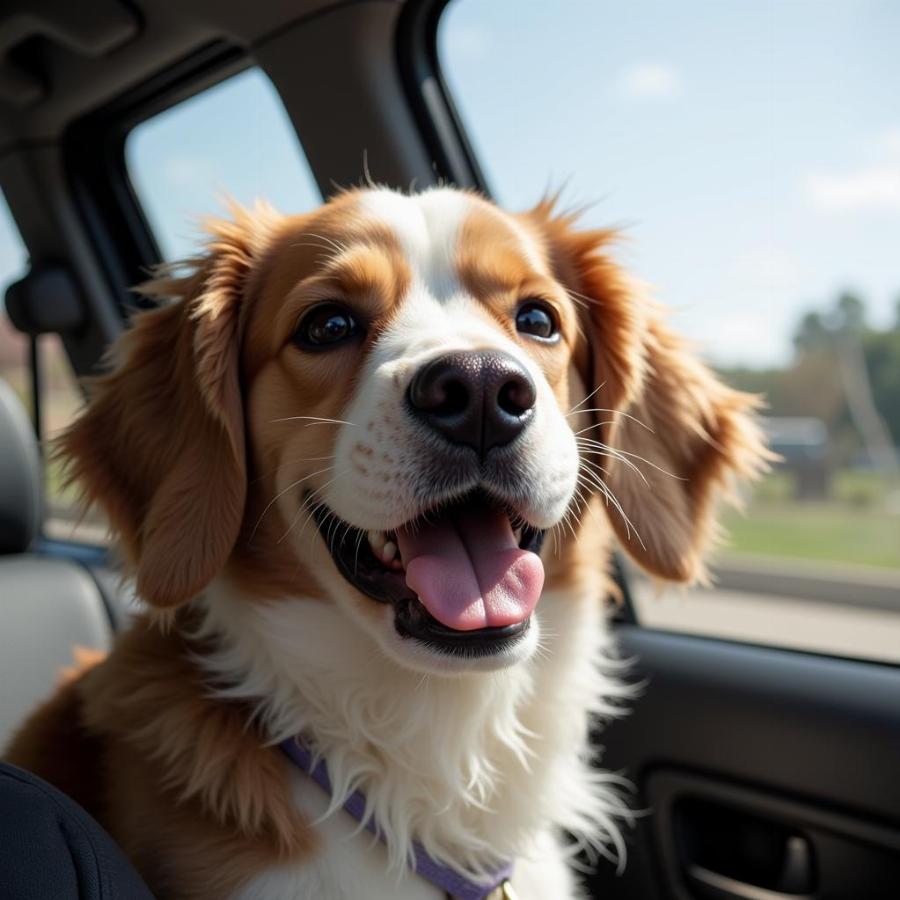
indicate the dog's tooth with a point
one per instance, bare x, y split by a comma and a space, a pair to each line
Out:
376, 542
388, 552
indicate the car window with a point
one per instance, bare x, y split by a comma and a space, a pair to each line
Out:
233, 140
183, 162
750, 153
60, 397
14, 366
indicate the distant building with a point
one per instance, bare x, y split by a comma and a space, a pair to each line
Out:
802, 442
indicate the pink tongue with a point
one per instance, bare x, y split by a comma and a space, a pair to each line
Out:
468, 571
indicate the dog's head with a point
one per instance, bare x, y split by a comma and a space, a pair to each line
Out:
388, 404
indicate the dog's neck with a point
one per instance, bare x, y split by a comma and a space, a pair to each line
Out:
475, 767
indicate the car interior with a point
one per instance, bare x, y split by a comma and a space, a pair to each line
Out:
763, 750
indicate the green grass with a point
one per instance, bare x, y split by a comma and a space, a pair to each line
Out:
832, 532
854, 486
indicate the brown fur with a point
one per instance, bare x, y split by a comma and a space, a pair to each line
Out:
182, 442
136, 740
177, 370
690, 435
54, 743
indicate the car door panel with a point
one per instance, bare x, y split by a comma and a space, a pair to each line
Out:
797, 741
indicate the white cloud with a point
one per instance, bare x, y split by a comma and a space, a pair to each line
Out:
873, 187
768, 268
890, 141
742, 334
649, 81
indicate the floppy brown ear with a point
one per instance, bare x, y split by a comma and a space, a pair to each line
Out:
677, 438
161, 444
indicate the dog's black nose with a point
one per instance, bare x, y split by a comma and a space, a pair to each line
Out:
479, 398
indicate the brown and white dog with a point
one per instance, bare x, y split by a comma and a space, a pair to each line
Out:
366, 465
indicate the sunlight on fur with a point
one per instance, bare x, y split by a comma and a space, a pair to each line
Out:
367, 466
432, 754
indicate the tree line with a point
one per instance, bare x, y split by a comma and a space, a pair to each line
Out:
845, 373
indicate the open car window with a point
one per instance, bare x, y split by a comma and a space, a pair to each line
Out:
60, 397
757, 190
233, 141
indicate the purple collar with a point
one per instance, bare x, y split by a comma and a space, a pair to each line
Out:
456, 886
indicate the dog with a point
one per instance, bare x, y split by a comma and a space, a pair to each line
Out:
366, 466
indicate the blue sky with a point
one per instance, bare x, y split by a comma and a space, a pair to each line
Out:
13, 258
184, 161
750, 150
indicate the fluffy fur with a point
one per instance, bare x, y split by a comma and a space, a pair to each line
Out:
205, 443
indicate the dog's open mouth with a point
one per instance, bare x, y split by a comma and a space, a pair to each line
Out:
463, 578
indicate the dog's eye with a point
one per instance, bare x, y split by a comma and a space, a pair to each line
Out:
324, 326
538, 320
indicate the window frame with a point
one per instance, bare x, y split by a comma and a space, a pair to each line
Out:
110, 215
94, 154
429, 96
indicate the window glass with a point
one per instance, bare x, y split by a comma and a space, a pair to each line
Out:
233, 140
61, 399
60, 395
751, 154
13, 345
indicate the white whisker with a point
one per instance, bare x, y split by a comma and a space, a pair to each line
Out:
613, 412
315, 420
291, 486
596, 481
611, 454
303, 505
615, 451
588, 397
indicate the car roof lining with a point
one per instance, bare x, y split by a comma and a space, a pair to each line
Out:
341, 67
56, 66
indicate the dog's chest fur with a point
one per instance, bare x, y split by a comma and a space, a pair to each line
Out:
353, 865
349, 864
484, 769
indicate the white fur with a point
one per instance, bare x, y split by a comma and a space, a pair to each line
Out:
480, 768
427, 227
437, 317
352, 864
384, 472
424, 329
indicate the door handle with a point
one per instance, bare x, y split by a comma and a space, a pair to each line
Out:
728, 854
722, 841
722, 886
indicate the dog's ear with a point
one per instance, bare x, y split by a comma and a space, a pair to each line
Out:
671, 437
160, 445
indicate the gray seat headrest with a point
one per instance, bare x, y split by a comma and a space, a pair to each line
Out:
20, 476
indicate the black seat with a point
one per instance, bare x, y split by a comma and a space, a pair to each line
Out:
49, 604
51, 849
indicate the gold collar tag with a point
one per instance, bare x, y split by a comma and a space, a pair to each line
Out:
503, 892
